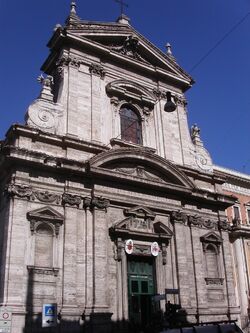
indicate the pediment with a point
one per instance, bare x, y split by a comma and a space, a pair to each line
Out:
134, 47
211, 237
132, 91
45, 214
134, 227
124, 40
140, 212
140, 165
161, 228
135, 224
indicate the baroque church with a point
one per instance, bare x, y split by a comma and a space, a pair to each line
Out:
110, 207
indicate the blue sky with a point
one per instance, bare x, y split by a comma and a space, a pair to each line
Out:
219, 101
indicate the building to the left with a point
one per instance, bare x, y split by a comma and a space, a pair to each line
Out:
107, 197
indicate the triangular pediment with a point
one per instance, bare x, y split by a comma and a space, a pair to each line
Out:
136, 227
124, 41
133, 47
211, 237
140, 212
141, 166
45, 213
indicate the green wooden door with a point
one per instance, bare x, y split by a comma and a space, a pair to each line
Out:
140, 289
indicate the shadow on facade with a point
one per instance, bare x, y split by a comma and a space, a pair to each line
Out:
101, 324
173, 317
5, 213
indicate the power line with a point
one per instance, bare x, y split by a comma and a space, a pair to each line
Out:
219, 42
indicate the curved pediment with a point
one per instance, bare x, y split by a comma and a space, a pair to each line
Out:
140, 165
131, 90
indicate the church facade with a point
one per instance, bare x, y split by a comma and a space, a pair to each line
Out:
107, 199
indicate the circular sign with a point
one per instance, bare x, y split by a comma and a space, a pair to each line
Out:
129, 246
155, 249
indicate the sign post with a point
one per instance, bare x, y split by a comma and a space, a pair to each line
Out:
5, 319
49, 315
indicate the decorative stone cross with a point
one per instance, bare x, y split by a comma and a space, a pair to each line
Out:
123, 4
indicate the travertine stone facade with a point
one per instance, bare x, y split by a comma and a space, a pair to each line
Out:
73, 191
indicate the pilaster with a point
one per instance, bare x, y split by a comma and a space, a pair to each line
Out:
100, 249
179, 220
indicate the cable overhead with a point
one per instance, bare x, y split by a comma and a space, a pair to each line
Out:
219, 42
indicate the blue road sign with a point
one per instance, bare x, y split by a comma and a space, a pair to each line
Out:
49, 310
49, 315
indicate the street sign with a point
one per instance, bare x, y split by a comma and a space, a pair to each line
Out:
172, 291
49, 315
5, 319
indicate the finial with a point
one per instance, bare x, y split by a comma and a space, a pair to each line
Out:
72, 18
169, 49
73, 7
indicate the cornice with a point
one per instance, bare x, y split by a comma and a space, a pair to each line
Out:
240, 231
122, 178
97, 27
16, 156
70, 37
27, 192
57, 140
101, 201
197, 174
233, 176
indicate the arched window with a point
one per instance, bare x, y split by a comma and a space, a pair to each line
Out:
130, 125
44, 246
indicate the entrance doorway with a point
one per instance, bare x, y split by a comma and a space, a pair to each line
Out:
141, 287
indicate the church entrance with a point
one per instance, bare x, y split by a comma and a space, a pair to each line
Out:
141, 287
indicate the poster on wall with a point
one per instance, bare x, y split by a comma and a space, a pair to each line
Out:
129, 246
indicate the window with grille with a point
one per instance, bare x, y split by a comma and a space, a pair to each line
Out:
130, 125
